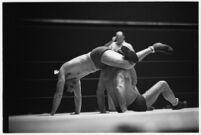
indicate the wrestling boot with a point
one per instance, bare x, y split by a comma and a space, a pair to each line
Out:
180, 105
128, 54
160, 47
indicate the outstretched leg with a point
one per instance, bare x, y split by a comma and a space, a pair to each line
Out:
129, 58
115, 59
162, 88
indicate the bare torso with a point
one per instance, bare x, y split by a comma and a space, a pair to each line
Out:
79, 67
126, 80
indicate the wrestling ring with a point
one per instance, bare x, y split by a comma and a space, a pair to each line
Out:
157, 120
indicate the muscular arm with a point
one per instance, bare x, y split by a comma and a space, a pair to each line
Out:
120, 91
100, 94
58, 95
78, 98
133, 76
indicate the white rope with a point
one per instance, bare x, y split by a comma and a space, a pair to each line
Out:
110, 22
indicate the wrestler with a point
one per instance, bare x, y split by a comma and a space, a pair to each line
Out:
125, 95
72, 71
117, 42
122, 91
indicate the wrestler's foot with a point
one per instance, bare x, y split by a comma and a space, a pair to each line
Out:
129, 55
168, 106
160, 47
112, 110
180, 105
118, 109
150, 108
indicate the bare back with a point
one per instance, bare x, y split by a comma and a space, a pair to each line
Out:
79, 67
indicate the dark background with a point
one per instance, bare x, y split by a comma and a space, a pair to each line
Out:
32, 50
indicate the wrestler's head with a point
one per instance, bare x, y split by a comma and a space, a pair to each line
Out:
119, 37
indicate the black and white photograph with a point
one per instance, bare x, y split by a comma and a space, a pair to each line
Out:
100, 67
